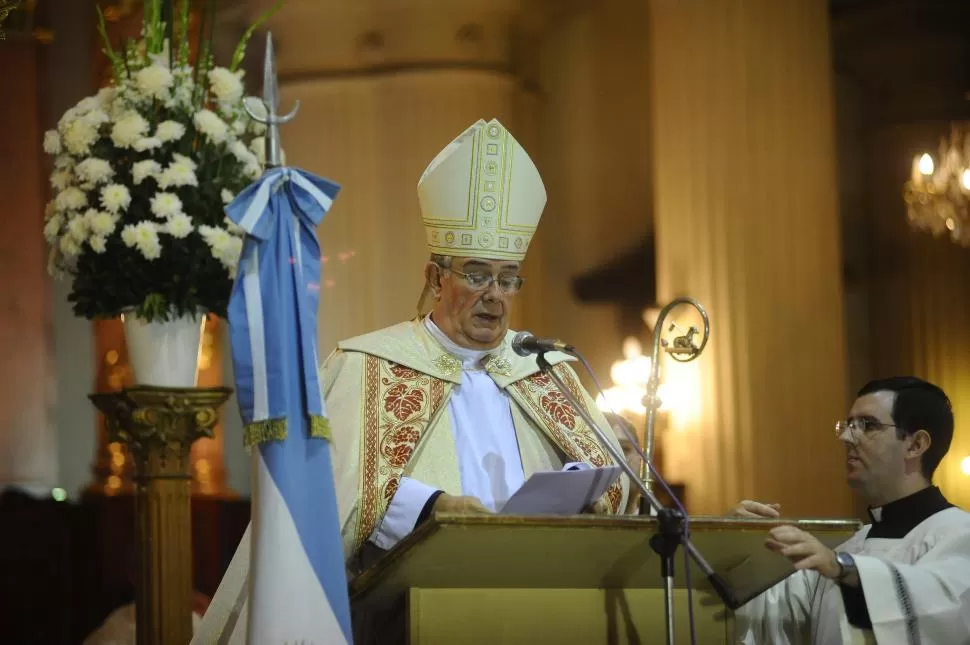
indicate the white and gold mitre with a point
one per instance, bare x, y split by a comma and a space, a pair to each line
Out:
481, 196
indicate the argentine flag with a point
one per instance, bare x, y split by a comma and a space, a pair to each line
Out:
297, 581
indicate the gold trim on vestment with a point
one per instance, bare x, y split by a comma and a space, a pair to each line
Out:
563, 424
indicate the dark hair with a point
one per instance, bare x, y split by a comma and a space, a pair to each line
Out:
919, 405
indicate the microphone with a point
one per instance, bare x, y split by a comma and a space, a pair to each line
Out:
525, 343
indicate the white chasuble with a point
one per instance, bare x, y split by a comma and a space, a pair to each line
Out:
914, 567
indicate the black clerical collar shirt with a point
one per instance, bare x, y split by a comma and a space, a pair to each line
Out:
896, 519
892, 521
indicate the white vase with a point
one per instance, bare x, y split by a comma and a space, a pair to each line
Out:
164, 354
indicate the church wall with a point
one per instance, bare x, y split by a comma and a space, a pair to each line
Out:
28, 448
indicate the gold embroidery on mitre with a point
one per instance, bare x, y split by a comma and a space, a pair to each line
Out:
481, 191
562, 422
399, 404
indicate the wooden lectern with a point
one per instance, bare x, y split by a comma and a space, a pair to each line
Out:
491, 579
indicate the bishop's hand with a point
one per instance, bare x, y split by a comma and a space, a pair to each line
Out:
804, 550
457, 504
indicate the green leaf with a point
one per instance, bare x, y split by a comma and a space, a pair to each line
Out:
240, 53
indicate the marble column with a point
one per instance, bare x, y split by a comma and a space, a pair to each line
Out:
28, 439
747, 222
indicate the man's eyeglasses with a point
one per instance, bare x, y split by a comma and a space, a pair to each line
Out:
858, 427
481, 281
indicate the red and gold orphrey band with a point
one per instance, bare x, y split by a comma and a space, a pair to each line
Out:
399, 404
562, 422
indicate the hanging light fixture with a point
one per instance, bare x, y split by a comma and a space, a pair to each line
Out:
938, 193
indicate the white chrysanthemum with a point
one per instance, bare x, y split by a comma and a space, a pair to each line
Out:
177, 174
179, 226
239, 126
97, 243
182, 159
233, 228
86, 104
106, 96
128, 129
49, 210
52, 229
210, 125
147, 143
99, 222
78, 136
69, 246
129, 236
252, 171
70, 199
154, 81
61, 179
77, 228
96, 117
225, 85
52, 142
63, 162
226, 196
169, 131
166, 205
258, 146
115, 197
224, 246
141, 170
94, 170
242, 153
144, 237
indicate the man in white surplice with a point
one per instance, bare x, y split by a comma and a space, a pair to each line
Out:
904, 578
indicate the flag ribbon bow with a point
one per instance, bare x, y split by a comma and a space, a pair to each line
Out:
279, 272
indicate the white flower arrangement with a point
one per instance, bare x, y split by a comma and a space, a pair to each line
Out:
142, 172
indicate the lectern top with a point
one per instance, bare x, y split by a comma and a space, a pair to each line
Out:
581, 552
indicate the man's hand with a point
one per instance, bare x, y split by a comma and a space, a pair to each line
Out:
747, 508
458, 505
804, 550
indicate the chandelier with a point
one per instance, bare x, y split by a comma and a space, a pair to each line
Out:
938, 193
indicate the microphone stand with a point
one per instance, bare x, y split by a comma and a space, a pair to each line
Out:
671, 521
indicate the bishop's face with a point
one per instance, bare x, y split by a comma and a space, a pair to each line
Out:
875, 454
474, 299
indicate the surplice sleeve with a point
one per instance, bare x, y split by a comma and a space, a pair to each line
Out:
927, 602
781, 615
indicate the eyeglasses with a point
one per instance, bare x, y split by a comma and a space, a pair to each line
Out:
481, 281
858, 427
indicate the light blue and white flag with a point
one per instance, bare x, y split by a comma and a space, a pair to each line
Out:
297, 580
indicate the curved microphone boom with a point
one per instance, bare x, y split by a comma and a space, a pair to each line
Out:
526, 343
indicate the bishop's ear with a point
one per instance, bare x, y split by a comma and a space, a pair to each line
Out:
432, 278
921, 443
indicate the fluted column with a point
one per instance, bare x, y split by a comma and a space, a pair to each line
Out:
747, 222
594, 156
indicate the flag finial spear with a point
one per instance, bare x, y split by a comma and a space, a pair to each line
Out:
271, 101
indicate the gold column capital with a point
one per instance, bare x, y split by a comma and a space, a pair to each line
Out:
151, 418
